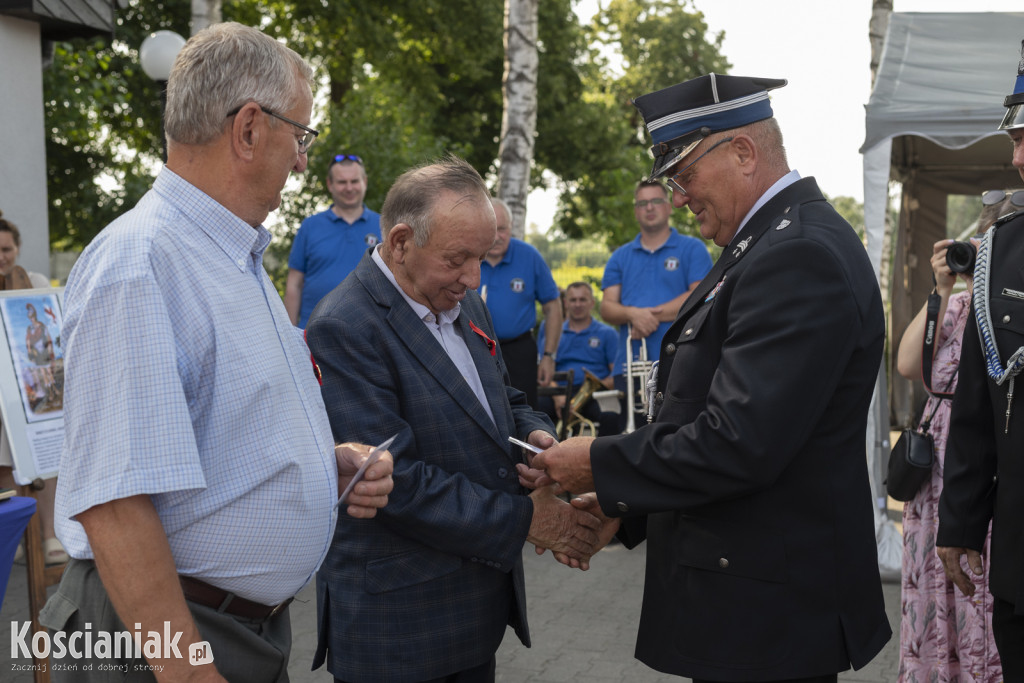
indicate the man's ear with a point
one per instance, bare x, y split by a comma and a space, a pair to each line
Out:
245, 131
744, 148
398, 241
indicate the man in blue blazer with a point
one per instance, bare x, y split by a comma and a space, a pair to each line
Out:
751, 486
406, 347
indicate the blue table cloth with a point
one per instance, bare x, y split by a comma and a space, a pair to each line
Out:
15, 512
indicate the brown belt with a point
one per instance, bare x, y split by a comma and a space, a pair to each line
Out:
204, 594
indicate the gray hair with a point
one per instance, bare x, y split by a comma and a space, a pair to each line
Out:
412, 198
767, 136
222, 68
503, 204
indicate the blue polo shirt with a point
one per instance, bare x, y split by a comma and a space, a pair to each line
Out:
326, 249
593, 348
649, 278
519, 279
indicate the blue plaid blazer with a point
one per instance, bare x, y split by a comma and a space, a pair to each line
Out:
427, 587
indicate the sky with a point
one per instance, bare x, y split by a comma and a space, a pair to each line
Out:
822, 48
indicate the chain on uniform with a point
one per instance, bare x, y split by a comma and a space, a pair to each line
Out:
983, 314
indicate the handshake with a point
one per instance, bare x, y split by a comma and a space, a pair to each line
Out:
573, 531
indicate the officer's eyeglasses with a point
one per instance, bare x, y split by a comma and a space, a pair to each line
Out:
348, 157
993, 197
644, 203
676, 182
305, 140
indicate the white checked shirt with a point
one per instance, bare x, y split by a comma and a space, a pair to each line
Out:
185, 380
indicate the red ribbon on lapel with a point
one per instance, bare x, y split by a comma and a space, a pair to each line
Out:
316, 368
490, 342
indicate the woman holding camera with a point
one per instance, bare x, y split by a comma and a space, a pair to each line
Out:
944, 635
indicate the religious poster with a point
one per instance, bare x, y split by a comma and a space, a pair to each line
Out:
32, 380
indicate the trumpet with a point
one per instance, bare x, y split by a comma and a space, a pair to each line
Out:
638, 372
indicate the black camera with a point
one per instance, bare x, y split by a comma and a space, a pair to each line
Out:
960, 257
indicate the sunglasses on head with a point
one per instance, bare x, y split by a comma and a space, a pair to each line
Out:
993, 197
349, 157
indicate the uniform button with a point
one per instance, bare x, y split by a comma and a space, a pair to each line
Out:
622, 507
497, 565
1006, 318
689, 332
502, 472
723, 563
670, 349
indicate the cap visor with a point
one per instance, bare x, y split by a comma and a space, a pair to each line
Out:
665, 162
1014, 117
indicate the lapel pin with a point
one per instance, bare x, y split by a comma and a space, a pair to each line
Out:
713, 292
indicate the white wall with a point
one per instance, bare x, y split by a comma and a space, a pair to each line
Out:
22, 141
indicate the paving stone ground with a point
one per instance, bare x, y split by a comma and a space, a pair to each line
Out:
583, 626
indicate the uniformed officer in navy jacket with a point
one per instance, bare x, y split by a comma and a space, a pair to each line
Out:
751, 485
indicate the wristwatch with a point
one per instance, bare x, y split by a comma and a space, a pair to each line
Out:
550, 355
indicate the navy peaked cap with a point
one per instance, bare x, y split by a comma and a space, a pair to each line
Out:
1014, 102
682, 115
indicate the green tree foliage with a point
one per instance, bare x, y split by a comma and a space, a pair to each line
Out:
660, 43
402, 82
405, 82
962, 212
103, 124
852, 210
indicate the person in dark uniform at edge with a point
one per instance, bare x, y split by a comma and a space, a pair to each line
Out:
983, 480
751, 485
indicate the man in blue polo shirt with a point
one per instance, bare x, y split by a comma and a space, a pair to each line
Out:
647, 280
586, 344
329, 244
512, 277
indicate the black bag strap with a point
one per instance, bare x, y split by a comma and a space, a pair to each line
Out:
926, 425
931, 332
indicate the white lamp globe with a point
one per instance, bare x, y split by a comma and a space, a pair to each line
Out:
157, 54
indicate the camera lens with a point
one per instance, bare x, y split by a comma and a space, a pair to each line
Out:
960, 257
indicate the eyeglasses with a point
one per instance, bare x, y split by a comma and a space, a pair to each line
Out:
348, 157
644, 203
674, 180
305, 142
993, 197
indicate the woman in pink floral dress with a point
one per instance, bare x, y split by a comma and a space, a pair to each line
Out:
945, 636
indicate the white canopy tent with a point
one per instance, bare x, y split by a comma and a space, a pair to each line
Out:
931, 126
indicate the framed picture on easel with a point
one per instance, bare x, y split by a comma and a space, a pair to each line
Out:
32, 380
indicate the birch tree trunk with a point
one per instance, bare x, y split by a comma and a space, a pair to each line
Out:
880, 11
204, 13
519, 115
877, 28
